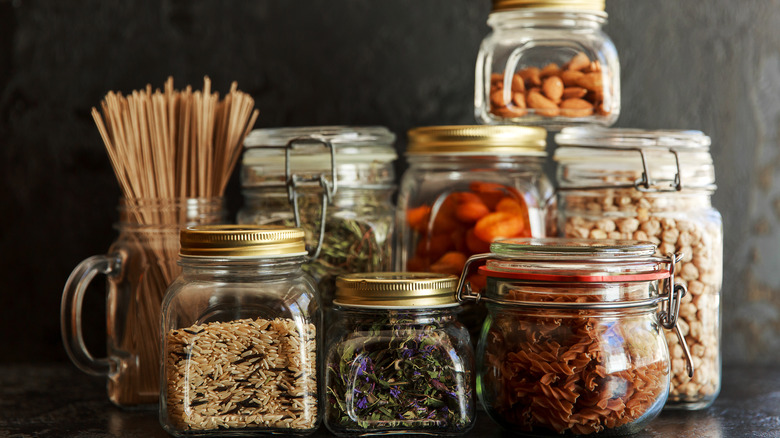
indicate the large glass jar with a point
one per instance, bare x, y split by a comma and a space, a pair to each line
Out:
240, 335
138, 266
547, 63
573, 343
398, 361
655, 186
334, 182
465, 187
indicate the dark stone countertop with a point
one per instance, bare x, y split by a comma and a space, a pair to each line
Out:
59, 401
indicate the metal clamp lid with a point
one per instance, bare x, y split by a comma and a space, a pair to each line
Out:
668, 316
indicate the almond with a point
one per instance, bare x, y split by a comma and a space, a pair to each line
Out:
553, 88
519, 100
576, 108
574, 93
591, 82
579, 62
497, 79
570, 77
518, 85
542, 105
510, 112
550, 69
497, 98
531, 76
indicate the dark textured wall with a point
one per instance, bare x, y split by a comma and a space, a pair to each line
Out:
709, 65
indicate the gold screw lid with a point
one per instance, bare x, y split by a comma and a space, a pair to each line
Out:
246, 241
478, 140
576, 5
388, 290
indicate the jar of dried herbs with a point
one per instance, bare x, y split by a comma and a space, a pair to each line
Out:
573, 342
397, 360
336, 183
240, 328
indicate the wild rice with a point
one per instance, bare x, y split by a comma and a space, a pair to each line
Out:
244, 373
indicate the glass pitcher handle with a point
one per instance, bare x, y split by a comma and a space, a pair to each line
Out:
70, 312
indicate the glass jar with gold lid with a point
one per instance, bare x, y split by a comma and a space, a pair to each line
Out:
397, 360
465, 187
547, 63
240, 329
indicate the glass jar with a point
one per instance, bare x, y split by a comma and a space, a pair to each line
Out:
466, 186
240, 333
139, 266
346, 175
572, 343
547, 63
398, 361
655, 186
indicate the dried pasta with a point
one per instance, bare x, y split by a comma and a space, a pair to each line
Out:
575, 372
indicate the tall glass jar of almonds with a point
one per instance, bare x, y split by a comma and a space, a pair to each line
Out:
547, 63
654, 186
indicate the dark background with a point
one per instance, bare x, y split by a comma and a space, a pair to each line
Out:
709, 65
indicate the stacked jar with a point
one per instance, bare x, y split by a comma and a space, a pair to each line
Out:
547, 63
465, 187
654, 186
335, 182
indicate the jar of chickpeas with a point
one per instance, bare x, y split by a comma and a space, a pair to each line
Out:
654, 186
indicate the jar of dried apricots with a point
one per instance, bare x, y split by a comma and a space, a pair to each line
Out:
574, 343
547, 63
465, 187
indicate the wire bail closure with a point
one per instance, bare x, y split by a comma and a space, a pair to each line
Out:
329, 188
645, 184
670, 300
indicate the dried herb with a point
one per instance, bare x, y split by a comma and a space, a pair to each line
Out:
399, 373
355, 241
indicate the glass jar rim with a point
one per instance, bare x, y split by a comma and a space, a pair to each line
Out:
649, 160
351, 144
241, 241
526, 141
396, 290
557, 260
566, 5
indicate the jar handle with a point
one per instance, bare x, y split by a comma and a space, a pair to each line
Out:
329, 188
70, 312
670, 315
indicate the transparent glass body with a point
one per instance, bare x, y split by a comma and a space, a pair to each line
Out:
139, 266
550, 68
558, 371
358, 233
437, 227
681, 220
240, 341
398, 371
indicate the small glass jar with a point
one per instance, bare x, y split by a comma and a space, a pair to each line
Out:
655, 186
240, 333
336, 183
573, 343
547, 63
466, 186
398, 361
